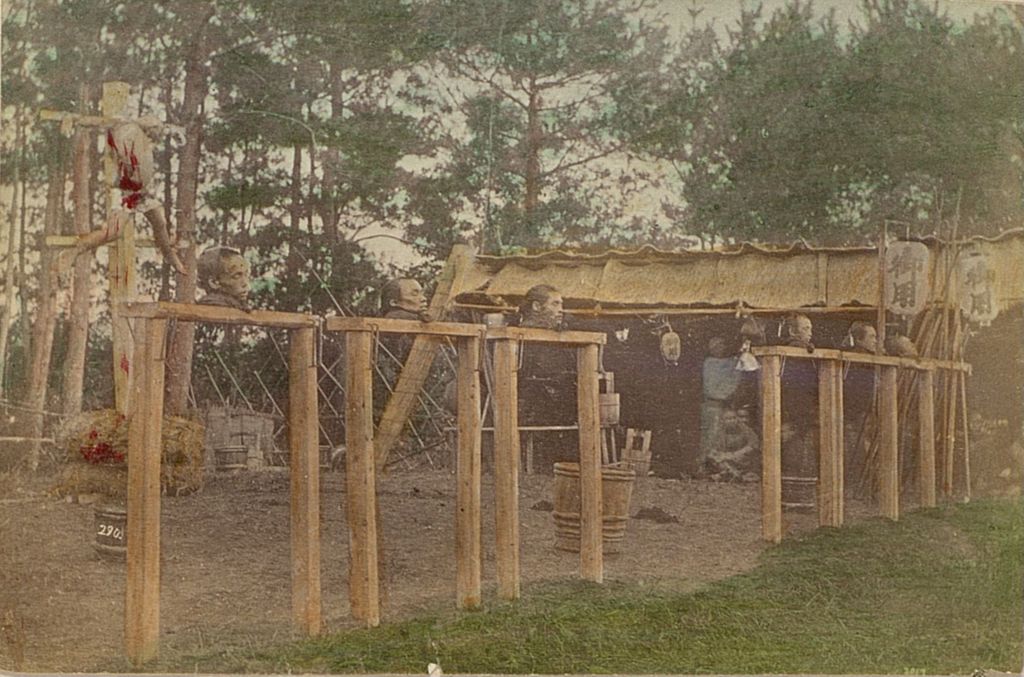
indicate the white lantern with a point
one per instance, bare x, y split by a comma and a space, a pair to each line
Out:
977, 288
906, 277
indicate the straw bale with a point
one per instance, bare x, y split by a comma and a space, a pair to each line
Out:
96, 448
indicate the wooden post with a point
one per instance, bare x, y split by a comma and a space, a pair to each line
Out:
142, 589
506, 468
121, 268
771, 448
926, 438
888, 447
305, 481
467, 500
591, 509
830, 446
421, 356
361, 489
965, 422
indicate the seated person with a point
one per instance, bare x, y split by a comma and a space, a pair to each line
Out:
734, 451
224, 274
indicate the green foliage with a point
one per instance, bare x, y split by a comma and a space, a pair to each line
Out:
937, 593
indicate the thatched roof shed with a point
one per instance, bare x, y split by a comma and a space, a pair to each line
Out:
757, 276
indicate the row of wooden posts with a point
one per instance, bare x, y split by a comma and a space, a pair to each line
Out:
830, 496
142, 602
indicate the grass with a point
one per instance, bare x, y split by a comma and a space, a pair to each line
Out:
938, 592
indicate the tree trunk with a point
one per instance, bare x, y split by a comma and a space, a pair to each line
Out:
332, 160
78, 316
12, 233
295, 210
533, 144
46, 314
179, 354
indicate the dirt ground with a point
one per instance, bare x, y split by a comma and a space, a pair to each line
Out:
225, 558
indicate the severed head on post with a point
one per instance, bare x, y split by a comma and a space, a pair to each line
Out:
541, 308
223, 273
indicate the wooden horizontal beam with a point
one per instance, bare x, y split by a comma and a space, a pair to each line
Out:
72, 240
579, 338
674, 310
390, 326
386, 326
193, 312
921, 363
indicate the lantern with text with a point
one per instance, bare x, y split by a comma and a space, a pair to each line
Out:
977, 288
906, 277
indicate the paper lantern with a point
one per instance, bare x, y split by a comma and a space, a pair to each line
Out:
906, 277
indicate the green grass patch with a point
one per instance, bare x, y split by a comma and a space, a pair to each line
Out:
938, 592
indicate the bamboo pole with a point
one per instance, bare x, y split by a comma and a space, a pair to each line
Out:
360, 482
304, 461
949, 441
467, 500
591, 548
142, 588
506, 468
771, 448
926, 439
888, 490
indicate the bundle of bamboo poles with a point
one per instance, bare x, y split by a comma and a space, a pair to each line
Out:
939, 332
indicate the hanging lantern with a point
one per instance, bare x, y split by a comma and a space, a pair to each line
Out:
977, 288
906, 277
671, 346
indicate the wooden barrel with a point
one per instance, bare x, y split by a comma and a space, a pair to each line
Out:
111, 522
799, 493
616, 489
231, 456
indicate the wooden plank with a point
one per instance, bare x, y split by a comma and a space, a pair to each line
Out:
547, 335
888, 446
830, 456
920, 363
771, 448
360, 481
145, 424
421, 355
591, 548
506, 468
390, 326
467, 499
121, 266
305, 481
926, 438
193, 312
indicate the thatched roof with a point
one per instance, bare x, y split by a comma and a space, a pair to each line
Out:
758, 276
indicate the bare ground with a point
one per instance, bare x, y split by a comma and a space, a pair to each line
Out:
225, 558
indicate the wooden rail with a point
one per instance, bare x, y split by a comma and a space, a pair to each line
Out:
364, 580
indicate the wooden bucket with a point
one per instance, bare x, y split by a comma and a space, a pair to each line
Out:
111, 530
616, 490
609, 409
231, 457
799, 493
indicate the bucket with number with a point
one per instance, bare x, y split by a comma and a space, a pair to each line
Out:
111, 536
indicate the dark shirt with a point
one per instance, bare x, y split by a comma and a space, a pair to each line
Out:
547, 384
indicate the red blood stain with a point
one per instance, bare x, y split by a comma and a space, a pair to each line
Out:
124, 363
101, 453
